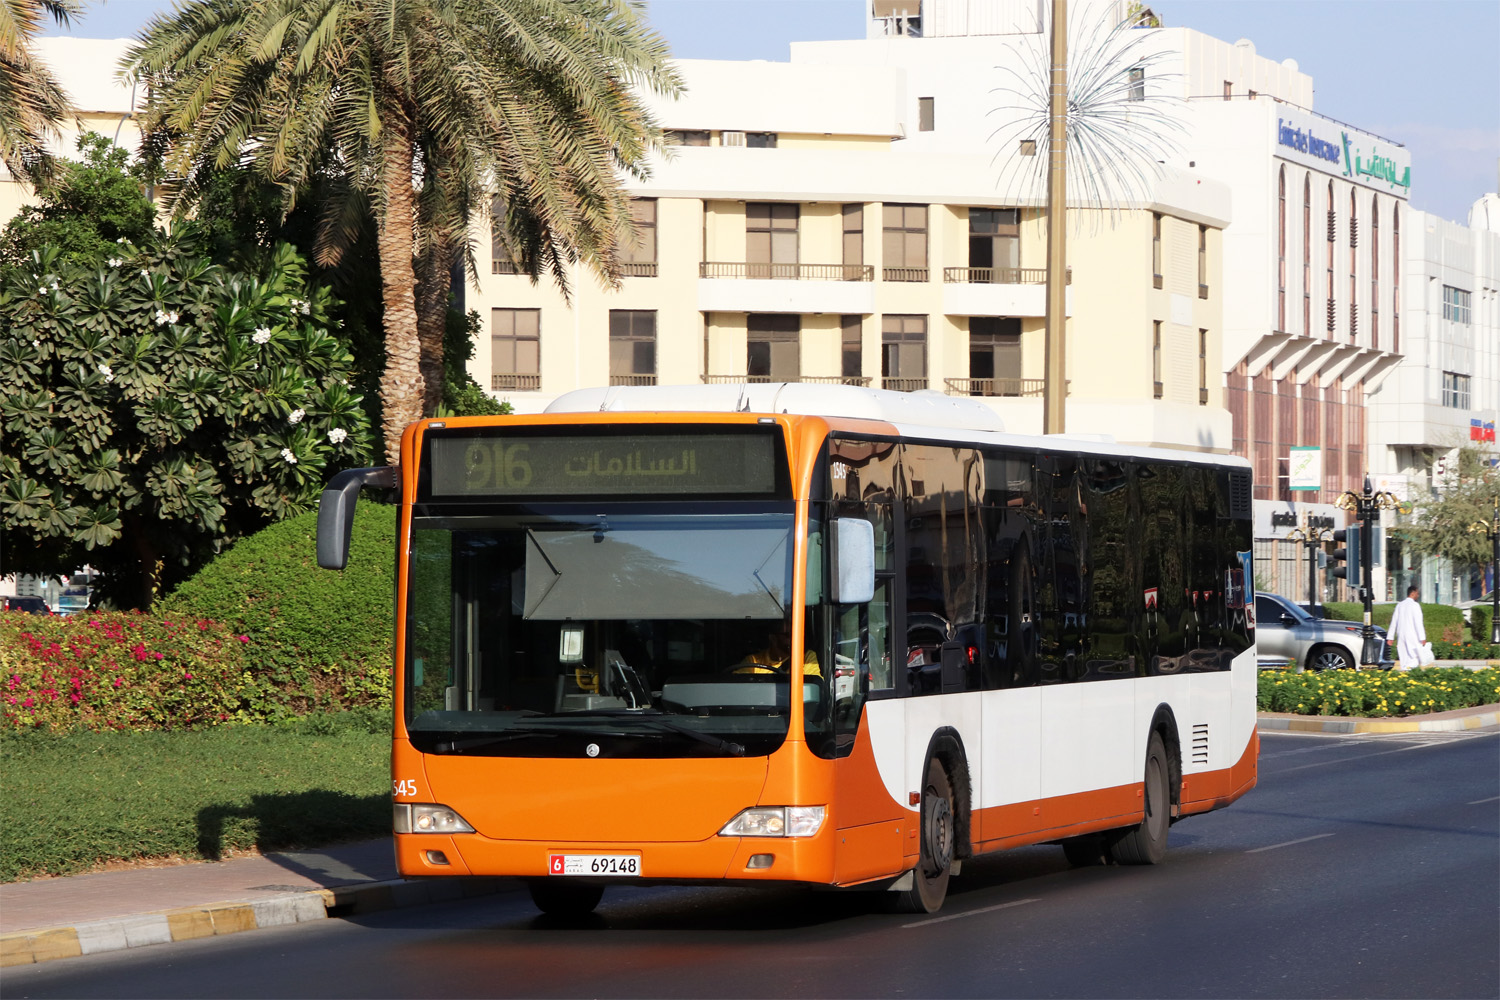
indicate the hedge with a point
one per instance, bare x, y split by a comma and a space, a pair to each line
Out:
1377, 693
1441, 620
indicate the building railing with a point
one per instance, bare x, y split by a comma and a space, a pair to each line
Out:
515, 382
1000, 275
904, 384
904, 273
995, 386
794, 272
504, 267
628, 269
632, 380
766, 379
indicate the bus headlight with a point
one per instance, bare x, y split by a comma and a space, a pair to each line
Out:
776, 821
425, 817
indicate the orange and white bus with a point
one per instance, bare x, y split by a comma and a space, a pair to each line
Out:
812, 634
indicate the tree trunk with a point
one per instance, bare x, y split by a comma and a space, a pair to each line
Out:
434, 277
401, 384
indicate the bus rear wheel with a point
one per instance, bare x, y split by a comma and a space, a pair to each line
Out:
563, 898
1146, 842
929, 885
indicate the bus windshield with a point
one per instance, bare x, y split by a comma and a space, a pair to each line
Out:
636, 634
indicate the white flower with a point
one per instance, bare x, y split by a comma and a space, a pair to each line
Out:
37, 344
288, 457
122, 240
306, 308
295, 417
145, 273
107, 372
262, 334
54, 284
164, 318
337, 435
115, 262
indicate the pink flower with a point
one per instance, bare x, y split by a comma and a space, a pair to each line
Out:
187, 677
28, 703
119, 681
156, 656
244, 638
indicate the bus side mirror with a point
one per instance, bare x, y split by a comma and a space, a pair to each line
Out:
853, 561
336, 511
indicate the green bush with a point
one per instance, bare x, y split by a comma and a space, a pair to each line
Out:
75, 801
1379, 693
1441, 620
1479, 623
326, 634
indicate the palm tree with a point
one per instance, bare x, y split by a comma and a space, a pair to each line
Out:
408, 101
32, 104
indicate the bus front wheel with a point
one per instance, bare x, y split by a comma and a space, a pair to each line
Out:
1146, 842
563, 898
937, 834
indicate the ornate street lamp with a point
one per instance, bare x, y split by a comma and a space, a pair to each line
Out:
1367, 506
1492, 529
1312, 540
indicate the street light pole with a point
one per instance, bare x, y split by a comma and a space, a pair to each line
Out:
1312, 539
1367, 505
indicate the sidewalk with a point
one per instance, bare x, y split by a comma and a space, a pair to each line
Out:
106, 911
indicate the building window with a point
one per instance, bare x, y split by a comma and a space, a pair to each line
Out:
1332, 235
1456, 305
1156, 387
854, 238
1028, 147
760, 140
632, 347
903, 352
851, 335
1307, 256
1353, 278
995, 356
1281, 250
501, 262
1135, 83
1156, 249
688, 137
638, 256
994, 245
1202, 367
1455, 391
924, 114
771, 239
1396, 278
515, 348
774, 348
1202, 262
905, 242
1375, 272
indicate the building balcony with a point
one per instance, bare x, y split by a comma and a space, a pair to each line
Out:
786, 272
632, 380
1000, 275
767, 379
628, 269
995, 386
515, 382
904, 384
904, 273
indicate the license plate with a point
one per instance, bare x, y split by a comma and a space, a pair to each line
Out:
594, 864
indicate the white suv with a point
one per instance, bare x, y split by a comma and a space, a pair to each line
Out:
1283, 631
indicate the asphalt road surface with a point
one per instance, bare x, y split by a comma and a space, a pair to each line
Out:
1360, 867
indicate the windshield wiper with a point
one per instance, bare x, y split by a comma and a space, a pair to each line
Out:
656, 721
474, 743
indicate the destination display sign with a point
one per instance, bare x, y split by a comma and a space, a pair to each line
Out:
602, 465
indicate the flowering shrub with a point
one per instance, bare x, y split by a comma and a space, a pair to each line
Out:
1377, 693
111, 671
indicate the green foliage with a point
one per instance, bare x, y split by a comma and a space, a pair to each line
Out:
462, 396
78, 800
160, 405
1451, 523
91, 206
1377, 693
1437, 619
1479, 623
326, 633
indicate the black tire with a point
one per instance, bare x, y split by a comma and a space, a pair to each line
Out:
1330, 658
939, 827
1082, 852
560, 897
1146, 842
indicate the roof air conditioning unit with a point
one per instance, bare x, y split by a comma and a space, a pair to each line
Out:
732, 138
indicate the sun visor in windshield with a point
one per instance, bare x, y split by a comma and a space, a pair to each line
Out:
681, 572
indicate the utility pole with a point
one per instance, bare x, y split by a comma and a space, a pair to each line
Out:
1055, 389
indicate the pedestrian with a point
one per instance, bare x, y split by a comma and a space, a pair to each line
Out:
1411, 633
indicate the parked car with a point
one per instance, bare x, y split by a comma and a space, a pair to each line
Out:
1283, 632
29, 605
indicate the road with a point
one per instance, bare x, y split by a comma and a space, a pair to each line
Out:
1360, 867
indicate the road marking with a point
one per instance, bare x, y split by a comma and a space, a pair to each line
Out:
1289, 843
975, 913
1480, 802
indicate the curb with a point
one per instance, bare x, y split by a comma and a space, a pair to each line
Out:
184, 924
1326, 724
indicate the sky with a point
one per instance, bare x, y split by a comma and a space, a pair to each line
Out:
1424, 73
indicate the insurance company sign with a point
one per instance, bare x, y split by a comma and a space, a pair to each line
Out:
1336, 149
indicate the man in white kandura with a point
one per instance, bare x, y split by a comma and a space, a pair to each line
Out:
1411, 634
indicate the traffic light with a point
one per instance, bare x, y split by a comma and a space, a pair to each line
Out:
1347, 553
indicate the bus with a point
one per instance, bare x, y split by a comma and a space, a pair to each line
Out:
794, 633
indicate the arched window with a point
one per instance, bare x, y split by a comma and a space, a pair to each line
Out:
1396, 278
1281, 251
1353, 245
1307, 255
1375, 272
1332, 235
